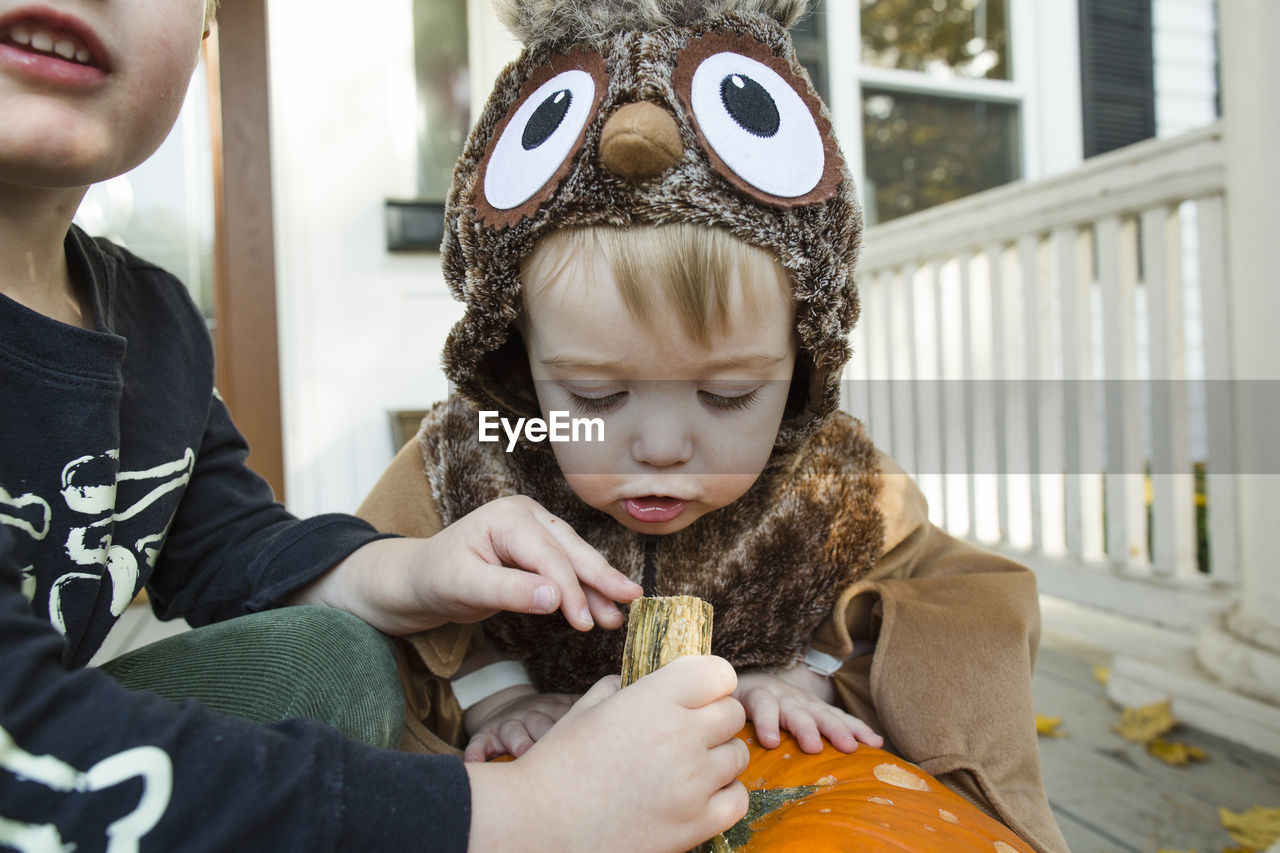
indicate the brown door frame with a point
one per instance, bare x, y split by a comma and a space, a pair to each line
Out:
245, 334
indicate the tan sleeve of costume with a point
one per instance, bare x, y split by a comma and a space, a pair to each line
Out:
401, 502
948, 683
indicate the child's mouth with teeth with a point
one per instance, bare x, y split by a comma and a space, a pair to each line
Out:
39, 38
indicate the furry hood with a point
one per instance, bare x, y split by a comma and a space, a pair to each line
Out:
539, 21
756, 156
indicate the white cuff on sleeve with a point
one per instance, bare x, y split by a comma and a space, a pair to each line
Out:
475, 687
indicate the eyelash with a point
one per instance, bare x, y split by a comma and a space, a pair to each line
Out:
587, 405
731, 404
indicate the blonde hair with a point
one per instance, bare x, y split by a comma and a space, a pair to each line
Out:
684, 268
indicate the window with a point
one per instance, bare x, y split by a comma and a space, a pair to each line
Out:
923, 150
941, 108
444, 112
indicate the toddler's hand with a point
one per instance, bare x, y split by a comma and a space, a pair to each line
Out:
770, 699
509, 724
651, 768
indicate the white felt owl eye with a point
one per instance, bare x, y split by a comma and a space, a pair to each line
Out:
543, 131
757, 124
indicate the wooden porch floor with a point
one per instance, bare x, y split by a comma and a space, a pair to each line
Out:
1109, 795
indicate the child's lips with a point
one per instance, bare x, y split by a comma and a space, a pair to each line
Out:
655, 508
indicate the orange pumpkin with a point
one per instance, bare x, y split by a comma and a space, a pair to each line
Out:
869, 801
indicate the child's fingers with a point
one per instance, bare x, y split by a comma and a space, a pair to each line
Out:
481, 747
592, 569
802, 725
693, 681
606, 613
865, 733
534, 548
601, 690
728, 759
539, 724
726, 807
762, 707
721, 720
838, 727
515, 737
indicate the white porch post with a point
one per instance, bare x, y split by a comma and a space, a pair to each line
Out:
1243, 649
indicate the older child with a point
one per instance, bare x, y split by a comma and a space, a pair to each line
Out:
652, 226
120, 467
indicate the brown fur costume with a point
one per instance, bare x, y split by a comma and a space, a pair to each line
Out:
832, 544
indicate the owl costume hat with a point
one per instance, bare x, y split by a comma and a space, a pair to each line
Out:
619, 114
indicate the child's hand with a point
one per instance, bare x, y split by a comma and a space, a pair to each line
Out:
510, 554
510, 721
770, 699
649, 768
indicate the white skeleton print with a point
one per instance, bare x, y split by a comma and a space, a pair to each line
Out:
149, 763
90, 486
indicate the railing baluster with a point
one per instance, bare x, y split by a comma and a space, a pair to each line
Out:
1014, 380
964, 392
903, 372
955, 426
1223, 466
988, 420
1173, 520
1073, 260
999, 367
855, 395
1126, 509
931, 417
876, 326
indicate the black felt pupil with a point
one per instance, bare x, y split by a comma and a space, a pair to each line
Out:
750, 105
546, 118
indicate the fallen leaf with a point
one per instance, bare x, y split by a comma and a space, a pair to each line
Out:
1145, 723
1239, 850
1258, 827
1175, 752
1049, 726
1102, 674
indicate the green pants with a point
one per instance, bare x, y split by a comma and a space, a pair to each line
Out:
314, 662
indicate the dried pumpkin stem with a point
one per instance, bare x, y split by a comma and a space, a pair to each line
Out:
659, 630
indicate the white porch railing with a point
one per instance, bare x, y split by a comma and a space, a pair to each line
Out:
1052, 362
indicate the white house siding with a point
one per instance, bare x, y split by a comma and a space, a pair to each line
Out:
360, 328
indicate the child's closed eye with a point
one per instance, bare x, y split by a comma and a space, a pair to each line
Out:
585, 405
730, 403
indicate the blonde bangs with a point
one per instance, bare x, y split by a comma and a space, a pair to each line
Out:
681, 269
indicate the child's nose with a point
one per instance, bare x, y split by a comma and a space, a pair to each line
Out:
662, 442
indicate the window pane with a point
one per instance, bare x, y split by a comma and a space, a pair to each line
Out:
444, 113
923, 150
809, 37
948, 38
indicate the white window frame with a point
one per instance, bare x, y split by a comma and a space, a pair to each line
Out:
1044, 83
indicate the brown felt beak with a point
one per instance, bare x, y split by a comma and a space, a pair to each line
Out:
640, 141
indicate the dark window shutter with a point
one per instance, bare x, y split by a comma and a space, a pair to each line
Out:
1117, 67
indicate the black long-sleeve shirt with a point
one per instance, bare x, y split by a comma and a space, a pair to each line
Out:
121, 468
